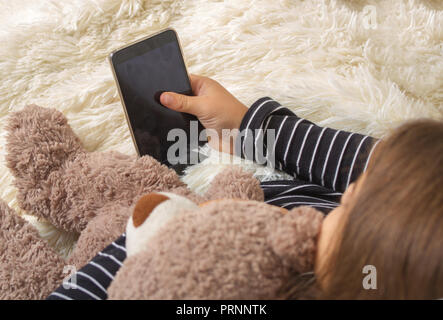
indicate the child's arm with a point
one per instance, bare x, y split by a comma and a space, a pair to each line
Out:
91, 282
324, 156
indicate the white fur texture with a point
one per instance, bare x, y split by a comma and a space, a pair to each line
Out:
326, 60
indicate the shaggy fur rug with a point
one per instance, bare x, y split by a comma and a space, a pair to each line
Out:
365, 66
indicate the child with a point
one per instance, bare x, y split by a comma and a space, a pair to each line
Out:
389, 219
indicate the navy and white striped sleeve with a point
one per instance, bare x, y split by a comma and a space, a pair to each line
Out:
91, 282
272, 134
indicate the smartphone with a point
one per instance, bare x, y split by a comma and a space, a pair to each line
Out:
143, 70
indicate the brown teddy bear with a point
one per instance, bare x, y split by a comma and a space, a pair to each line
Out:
187, 246
220, 249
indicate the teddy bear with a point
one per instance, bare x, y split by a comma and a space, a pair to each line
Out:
225, 244
219, 249
91, 193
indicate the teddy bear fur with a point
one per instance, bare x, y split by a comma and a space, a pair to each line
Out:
224, 249
29, 268
91, 193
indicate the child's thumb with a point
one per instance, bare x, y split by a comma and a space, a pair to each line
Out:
179, 102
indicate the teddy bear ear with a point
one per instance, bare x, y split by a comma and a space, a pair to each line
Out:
150, 214
293, 237
145, 205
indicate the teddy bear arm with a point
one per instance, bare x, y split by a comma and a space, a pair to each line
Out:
234, 183
105, 227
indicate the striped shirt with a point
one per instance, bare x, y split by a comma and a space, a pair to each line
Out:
92, 281
322, 161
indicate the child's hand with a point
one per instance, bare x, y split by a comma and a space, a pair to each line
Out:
212, 104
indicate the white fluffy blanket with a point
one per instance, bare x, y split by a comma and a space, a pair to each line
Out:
365, 66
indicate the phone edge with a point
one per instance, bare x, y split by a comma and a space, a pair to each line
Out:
123, 105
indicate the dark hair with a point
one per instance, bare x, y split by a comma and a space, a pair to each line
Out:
395, 222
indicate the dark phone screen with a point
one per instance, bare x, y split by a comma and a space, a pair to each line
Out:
144, 71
